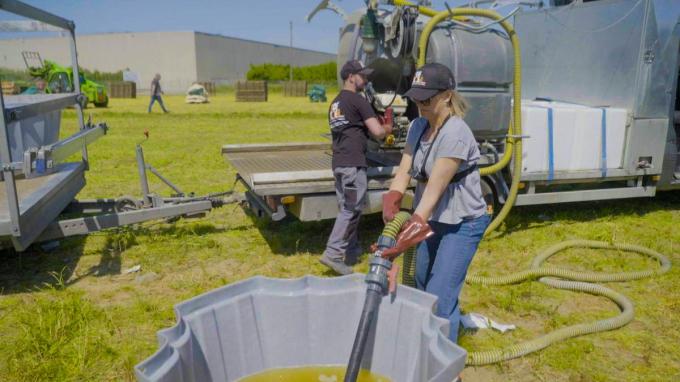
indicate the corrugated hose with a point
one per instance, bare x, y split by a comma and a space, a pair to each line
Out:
555, 277
559, 278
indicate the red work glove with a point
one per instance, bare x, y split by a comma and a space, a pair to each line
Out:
391, 201
413, 232
386, 123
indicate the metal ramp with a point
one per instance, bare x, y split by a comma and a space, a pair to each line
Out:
302, 172
299, 168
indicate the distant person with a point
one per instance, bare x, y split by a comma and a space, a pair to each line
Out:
351, 118
156, 92
38, 88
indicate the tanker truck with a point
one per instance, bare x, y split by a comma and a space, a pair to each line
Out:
571, 100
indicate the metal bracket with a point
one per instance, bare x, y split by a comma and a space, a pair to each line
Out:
40, 160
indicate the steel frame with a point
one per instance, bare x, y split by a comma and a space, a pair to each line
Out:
55, 199
30, 12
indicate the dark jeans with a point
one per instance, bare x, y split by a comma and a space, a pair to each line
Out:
160, 101
442, 262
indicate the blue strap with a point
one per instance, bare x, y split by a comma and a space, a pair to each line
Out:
40, 166
603, 132
551, 153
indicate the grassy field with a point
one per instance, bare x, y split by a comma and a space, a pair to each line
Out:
72, 315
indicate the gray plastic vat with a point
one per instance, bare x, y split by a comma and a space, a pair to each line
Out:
263, 323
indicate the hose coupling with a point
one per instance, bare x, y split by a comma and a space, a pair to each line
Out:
377, 278
385, 242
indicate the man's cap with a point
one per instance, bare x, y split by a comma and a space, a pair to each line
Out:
429, 80
354, 67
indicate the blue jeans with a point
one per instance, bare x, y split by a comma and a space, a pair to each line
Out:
442, 262
160, 101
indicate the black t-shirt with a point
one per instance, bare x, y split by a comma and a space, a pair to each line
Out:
346, 117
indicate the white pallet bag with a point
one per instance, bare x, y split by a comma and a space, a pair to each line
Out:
576, 137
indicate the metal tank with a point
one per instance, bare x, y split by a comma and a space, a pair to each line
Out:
482, 65
481, 62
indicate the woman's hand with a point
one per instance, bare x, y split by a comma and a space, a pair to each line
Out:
391, 202
412, 232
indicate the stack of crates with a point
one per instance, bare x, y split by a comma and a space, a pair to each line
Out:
209, 87
9, 88
125, 89
295, 89
251, 91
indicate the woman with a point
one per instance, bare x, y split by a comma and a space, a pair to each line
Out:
450, 215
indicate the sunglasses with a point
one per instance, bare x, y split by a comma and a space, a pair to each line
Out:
426, 102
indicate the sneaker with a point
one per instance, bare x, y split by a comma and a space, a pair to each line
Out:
352, 256
351, 260
338, 267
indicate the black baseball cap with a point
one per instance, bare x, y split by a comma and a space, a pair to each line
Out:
429, 80
354, 67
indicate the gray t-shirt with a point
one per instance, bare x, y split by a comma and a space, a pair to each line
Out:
462, 200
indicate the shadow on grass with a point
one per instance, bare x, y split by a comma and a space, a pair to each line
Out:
37, 267
291, 236
532, 217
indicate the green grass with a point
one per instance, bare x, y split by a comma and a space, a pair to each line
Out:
71, 315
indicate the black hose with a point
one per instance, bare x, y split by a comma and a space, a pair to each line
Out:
368, 315
377, 281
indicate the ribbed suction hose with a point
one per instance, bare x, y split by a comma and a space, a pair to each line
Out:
559, 278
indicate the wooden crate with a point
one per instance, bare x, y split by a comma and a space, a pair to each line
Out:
251, 91
124, 89
209, 87
9, 88
295, 89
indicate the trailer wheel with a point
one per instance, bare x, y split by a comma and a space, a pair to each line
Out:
102, 104
490, 196
127, 203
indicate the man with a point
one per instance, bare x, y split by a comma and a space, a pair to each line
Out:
156, 92
351, 119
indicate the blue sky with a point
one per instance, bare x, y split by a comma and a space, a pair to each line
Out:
262, 20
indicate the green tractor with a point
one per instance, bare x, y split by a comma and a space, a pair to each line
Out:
59, 79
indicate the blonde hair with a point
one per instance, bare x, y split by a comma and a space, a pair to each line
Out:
458, 105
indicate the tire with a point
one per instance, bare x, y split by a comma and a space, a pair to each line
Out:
490, 196
127, 203
103, 104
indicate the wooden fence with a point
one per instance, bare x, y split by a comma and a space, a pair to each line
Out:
122, 90
295, 89
251, 91
9, 88
209, 87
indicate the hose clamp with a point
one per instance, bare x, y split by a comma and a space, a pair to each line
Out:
377, 273
386, 242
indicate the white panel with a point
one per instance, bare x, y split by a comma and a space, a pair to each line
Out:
577, 136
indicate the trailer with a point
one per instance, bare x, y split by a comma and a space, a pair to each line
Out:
40, 182
601, 124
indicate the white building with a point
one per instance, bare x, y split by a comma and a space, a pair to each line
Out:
180, 57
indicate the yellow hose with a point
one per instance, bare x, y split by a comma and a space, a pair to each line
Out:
513, 147
422, 10
552, 276
559, 278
